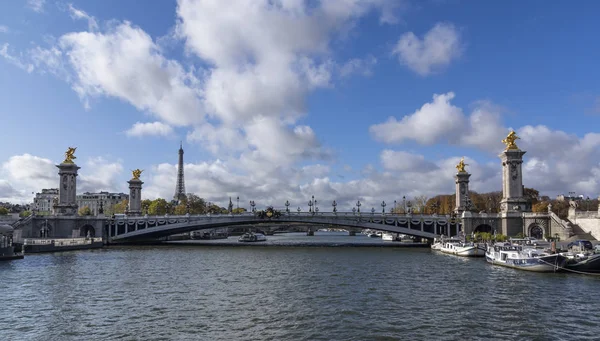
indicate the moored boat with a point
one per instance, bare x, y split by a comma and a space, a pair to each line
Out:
530, 259
462, 249
388, 236
252, 237
581, 257
7, 249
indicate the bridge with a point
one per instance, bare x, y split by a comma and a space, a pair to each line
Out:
135, 229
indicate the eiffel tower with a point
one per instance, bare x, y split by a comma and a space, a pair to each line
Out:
180, 187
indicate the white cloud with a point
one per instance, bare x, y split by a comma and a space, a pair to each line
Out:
441, 121
3, 29
126, 63
36, 5
435, 51
98, 174
140, 129
16, 61
405, 161
79, 14
432, 122
358, 66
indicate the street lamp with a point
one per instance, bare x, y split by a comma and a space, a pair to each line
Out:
353, 210
310, 204
238, 204
252, 204
287, 206
358, 204
409, 205
395, 208
587, 204
372, 210
383, 205
299, 209
404, 203
334, 204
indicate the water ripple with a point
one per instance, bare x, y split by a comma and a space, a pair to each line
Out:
265, 293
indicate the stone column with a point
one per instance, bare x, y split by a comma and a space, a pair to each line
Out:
67, 189
135, 196
462, 191
512, 181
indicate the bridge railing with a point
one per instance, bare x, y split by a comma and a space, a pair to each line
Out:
282, 214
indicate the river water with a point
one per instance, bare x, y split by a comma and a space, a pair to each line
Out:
266, 292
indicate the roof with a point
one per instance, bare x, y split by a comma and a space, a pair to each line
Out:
4, 229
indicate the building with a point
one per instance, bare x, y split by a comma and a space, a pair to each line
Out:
44, 201
93, 200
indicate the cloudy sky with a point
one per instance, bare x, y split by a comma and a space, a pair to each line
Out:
279, 100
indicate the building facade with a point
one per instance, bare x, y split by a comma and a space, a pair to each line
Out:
44, 201
94, 201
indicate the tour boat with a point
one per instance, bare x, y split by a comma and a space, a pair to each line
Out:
252, 237
518, 257
374, 235
439, 243
208, 235
459, 248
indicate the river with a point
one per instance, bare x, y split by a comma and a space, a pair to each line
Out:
266, 292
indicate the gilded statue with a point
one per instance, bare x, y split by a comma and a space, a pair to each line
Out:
461, 165
70, 155
137, 173
509, 141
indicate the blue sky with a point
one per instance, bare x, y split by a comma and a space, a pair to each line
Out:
284, 100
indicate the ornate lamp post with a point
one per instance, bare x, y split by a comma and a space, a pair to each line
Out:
358, 204
372, 210
334, 204
353, 210
435, 206
404, 203
383, 205
310, 204
587, 204
238, 204
252, 204
409, 205
299, 209
395, 208
287, 207
187, 207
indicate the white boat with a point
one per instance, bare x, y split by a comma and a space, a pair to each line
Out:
249, 237
438, 243
388, 236
524, 258
459, 248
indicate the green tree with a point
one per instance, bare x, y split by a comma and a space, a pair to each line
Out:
25, 214
239, 210
3, 211
85, 211
158, 207
146, 205
197, 204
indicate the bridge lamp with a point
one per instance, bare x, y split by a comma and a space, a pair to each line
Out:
334, 204
299, 209
358, 204
238, 204
353, 210
383, 205
287, 205
372, 210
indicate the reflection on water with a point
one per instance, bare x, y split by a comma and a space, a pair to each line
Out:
288, 293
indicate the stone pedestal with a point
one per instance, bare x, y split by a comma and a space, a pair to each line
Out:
135, 196
512, 181
462, 191
67, 189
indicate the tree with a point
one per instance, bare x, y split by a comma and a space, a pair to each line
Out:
532, 195
25, 214
540, 207
85, 211
121, 207
239, 210
158, 207
3, 211
419, 203
146, 205
197, 204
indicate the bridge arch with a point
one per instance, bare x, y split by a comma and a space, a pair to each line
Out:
536, 231
483, 228
151, 228
87, 231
